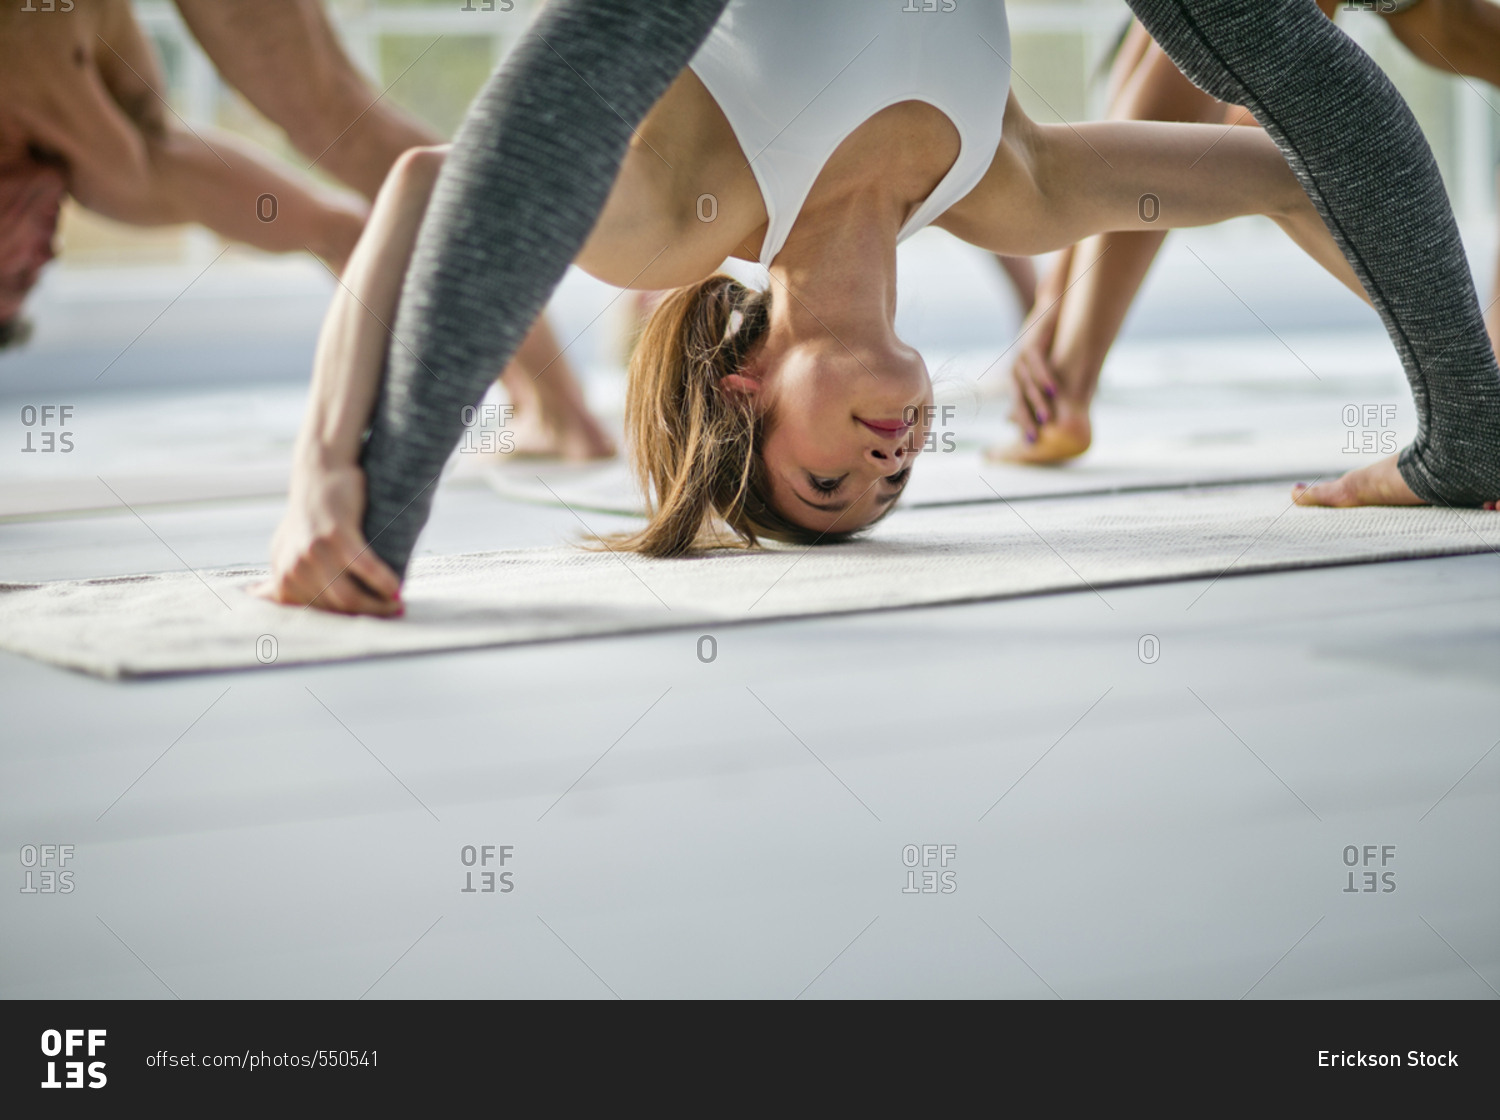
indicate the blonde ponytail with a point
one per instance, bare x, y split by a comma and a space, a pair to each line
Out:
694, 446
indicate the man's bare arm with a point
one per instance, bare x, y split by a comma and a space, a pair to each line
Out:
285, 58
187, 175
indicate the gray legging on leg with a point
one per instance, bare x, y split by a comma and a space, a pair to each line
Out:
530, 170
1359, 154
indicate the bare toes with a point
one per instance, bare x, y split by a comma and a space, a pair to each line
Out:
1320, 493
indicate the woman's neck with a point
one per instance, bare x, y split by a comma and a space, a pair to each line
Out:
836, 274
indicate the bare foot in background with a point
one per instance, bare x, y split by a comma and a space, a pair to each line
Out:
1064, 434
551, 418
553, 430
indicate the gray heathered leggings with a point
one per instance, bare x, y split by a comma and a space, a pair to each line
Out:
538, 152
530, 170
1363, 161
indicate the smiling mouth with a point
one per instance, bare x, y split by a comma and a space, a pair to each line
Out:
887, 427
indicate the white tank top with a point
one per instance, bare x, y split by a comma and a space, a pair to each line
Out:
796, 77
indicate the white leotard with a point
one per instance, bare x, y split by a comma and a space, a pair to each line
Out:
796, 77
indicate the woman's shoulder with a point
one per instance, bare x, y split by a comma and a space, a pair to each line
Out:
684, 199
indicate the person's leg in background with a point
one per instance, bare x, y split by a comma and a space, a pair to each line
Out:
551, 416
1038, 296
285, 58
131, 159
1459, 36
1083, 302
1356, 148
1021, 273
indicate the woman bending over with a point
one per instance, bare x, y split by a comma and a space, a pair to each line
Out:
812, 139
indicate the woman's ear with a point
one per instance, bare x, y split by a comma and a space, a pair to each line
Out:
740, 385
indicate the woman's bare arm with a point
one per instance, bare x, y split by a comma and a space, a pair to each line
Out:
1053, 185
356, 330
285, 58
319, 555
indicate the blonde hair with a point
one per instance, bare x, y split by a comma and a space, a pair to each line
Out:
694, 446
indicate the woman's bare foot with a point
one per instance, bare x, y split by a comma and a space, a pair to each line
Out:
572, 435
1065, 433
1379, 484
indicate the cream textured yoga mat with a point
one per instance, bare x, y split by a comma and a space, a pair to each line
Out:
182, 622
965, 476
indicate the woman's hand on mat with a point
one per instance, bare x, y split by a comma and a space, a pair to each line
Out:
319, 556
1379, 484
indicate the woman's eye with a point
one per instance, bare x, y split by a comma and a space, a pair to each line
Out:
898, 480
826, 485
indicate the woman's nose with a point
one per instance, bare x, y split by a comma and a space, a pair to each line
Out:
888, 457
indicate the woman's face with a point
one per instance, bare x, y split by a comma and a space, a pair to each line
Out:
30, 195
844, 430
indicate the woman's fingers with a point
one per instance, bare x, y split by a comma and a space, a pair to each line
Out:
1039, 370
335, 563
346, 595
1031, 379
1036, 399
1020, 415
1045, 376
323, 577
341, 593
375, 573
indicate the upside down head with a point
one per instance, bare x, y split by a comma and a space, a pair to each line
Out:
739, 432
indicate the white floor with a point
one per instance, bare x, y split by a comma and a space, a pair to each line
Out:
1156, 793
729, 828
